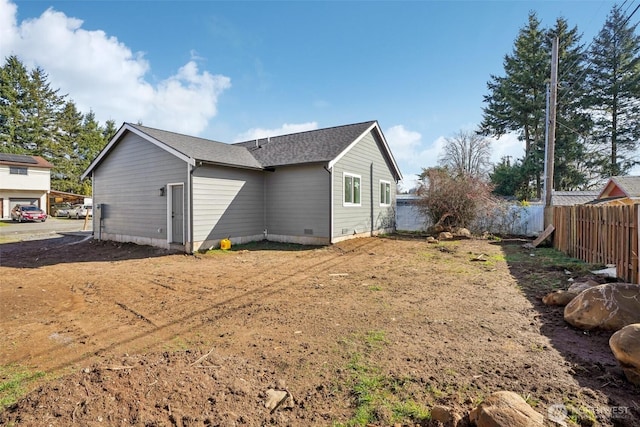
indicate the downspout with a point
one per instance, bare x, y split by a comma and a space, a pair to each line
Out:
189, 234
371, 198
95, 222
330, 203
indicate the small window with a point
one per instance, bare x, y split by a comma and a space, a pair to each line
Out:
17, 170
385, 193
351, 190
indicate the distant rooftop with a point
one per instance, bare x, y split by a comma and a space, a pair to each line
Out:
570, 198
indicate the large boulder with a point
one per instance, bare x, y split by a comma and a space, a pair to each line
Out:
505, 409
563, 298
625, 345
609, 307
578, 287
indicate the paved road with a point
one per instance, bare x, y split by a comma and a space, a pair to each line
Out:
10, 231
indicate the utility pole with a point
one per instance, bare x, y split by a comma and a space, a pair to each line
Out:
551, 136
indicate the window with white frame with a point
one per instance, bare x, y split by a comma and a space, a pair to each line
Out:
17, 170
351, 189
385, 193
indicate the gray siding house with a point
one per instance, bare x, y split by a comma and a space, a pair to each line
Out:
176, 191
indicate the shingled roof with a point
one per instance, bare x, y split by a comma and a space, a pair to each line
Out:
205, 150
629, 185
314, 146
570, 198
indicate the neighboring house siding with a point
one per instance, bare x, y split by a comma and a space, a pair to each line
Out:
35, 179
16, 189
227, 202
128, 183
366, 160
299, 204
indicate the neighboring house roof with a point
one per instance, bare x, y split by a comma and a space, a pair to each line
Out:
322, 145
24, 160
570, 198
621, 186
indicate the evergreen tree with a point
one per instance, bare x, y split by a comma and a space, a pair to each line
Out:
65, 176
109, 131
40, 114
614, 89
508, 180
91, 141
13, 93
572, 121
516, 102
36, 120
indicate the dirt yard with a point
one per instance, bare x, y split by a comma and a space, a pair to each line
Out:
370, 331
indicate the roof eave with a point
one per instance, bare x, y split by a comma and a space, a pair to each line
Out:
126, 127
374, 125
229, 165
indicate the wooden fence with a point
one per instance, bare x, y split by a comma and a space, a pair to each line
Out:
600, 235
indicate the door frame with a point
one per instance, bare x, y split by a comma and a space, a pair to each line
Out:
170, 187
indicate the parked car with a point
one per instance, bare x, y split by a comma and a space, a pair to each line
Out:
79, 211
61, 209
28, 213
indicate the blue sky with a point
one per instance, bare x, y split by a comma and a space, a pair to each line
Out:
232, 71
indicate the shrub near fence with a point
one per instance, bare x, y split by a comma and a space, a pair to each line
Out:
600, 235
508, 218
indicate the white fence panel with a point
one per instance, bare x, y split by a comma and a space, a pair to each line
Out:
511, 218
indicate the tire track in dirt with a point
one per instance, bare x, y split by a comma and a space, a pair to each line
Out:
163, 332
266, 289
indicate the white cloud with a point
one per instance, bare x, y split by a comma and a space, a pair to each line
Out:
403, 142
409, 150
428, 157
285, 129
103, 74
411, 154
507, 145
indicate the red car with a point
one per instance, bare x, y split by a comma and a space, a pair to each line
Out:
28, 213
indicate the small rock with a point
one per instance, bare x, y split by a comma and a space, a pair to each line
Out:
431, 239
276, 399
561, 298
625, 345
505, 409
445, 235
445, 415
463, 232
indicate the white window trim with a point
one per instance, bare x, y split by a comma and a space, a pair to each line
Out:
18, 170
382, 203
353, 175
